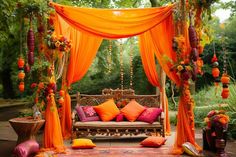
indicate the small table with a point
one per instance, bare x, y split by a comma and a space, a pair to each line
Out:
26, 127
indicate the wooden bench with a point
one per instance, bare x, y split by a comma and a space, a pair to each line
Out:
81, 129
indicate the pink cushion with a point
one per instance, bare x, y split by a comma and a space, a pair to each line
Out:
87, 113
150, 115
120, 117
26, 148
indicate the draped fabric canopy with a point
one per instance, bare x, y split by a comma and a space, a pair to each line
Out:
87, 27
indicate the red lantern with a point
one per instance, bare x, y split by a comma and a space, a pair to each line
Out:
215, 72
31, 57
21, 63
225, 79
27, 68
62, 92
225, 93
21, 86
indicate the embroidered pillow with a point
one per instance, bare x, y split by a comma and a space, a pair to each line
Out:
27, 148
132, 110
150, 115
107, 110
120, 117
82, 143
87, 113
153, 141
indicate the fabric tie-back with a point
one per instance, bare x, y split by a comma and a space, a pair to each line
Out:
87, 27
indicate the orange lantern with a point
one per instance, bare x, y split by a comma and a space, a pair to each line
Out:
21, 75
225, 93
215, 72
225, 79
20, 63
21, 86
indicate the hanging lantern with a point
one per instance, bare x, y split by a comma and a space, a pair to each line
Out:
225, 93
225, 79
21, 75
31, 57
27, 68
20, 63
215, 70
30, 40
21, 86
194, 54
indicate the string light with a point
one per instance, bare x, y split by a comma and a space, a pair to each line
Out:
109, 56
131, 64
121, 67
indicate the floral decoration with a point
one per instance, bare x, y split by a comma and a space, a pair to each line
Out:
58, 42
217, 118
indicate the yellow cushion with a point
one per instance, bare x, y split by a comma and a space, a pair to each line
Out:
190, 149
82, 143
132, 110
107, 110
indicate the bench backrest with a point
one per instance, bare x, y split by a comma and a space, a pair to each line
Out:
118, 95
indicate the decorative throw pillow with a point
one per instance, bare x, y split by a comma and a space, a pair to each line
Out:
150, 115
26, 148
120, 117
132, 110
190, 149
82, 143
153, 141
87, 113
107, 110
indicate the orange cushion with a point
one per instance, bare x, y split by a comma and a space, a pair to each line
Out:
107, 110
82, 143
153, 141
132, 110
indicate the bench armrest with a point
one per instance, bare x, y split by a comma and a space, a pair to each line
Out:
74, 112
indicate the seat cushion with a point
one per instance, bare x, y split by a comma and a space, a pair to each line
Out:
153, 141
113, 124
82, 143
150, 115
132, 110
87, 113
107, 110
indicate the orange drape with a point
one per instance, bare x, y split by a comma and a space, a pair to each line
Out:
52, 132
86, 27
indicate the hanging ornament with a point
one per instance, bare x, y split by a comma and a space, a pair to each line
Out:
131, 65
20, 63
225, 79
109, 57
30, 44
27, 68
215, 70
121, 66
21, 86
